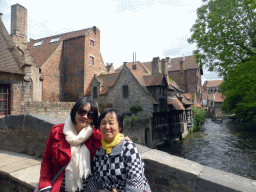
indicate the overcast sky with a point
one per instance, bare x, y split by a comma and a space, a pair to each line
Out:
150, 28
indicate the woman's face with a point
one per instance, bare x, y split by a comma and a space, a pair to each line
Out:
109, 126
82, 120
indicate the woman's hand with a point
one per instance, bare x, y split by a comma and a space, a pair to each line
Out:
127, 138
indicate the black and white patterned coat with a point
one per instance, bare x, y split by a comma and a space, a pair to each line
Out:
122, 169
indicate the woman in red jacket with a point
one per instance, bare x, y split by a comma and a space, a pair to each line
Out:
72, 144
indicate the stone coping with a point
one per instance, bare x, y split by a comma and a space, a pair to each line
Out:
26, 170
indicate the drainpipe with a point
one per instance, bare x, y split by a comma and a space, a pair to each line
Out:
63, 74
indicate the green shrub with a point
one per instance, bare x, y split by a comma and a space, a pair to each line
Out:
199, 116
134, 120
134, 109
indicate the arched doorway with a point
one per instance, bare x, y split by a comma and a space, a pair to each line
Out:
147, 136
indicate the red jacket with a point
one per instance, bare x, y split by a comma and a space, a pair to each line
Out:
58, 153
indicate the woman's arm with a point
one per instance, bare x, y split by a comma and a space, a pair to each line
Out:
46, 165
136, 180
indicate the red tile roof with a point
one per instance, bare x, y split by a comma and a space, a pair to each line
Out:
45, 50
139, 67
197, 105
153, 80
188, 96
219, 97
213, 83
175, 102
189, 63
9, 58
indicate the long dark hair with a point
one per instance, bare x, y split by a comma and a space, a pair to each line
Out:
79, 104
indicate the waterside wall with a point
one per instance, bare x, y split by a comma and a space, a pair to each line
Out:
22, 143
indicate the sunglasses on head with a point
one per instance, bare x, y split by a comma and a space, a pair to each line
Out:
83, 112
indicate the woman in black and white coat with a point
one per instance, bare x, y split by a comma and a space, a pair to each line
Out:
117, 164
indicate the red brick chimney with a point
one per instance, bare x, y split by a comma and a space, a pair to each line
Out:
156, 68
19, 25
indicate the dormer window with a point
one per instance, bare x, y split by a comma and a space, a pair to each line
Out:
55, 40
37, 44
91, 43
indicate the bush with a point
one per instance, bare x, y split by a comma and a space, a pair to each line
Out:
135, 109
199, 116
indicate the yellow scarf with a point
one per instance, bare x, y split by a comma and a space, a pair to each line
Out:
108, 146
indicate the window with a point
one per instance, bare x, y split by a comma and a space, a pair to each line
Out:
125, 91
91, 60
95, 92
55, 40
37, 44
91, 43
4, 99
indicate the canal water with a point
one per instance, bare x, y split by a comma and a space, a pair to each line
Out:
222, 146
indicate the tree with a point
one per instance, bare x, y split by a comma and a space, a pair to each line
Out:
225, 34
135, 109
240, 92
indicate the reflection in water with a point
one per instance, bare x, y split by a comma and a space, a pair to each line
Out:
221, 146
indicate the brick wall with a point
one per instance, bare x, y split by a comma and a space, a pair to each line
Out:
59, 110
74, 52
51, 73
98, 67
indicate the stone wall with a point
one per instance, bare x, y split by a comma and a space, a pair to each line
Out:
59, 110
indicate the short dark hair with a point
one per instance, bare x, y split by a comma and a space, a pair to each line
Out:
119, 116
79, 104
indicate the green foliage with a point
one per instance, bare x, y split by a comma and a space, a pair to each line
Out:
199, 116
102, 74
170, 79
224, 33
240, 92
134, 120
147, 72
134, 109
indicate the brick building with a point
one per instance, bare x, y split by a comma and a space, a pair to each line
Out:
19, 79
187, 74
212, 99
67, 62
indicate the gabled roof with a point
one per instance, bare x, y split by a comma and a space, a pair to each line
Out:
153, 80
8, 53
105, 80
43, 51
213, 83
175, 102
189, 95
139, 67
188, 62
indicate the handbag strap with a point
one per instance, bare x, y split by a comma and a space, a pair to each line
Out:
58, 174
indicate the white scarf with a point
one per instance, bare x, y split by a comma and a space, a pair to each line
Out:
79, 165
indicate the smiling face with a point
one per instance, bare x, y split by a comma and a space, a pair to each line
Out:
109, 126
82, 121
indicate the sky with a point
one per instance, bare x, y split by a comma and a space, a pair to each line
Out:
151, 28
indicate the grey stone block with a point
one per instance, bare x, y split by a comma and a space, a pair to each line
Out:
216, 180
41, 123
11, 120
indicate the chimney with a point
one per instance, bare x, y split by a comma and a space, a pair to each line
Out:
164, 67
19, 25
156, 68
94, 29
181, 66
168, 59
1, 16
182, 76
